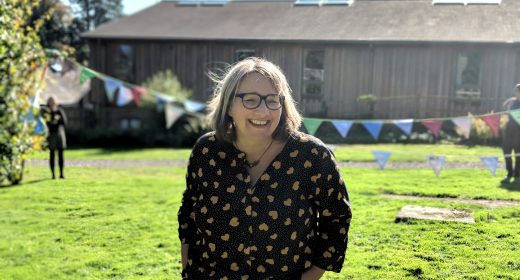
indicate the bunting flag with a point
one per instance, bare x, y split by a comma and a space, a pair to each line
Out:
110, 88
137, 94
433, 125
40, 127
194, 106
172, 114
86, 74
162, 100
373, 127
312, 125
124, 97
491, 163
404, 125
464, 126
56, 67
516, 115
493, 122
343, 127
436, 163
381, 157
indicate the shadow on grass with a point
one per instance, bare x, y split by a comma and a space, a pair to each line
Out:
513, 186
23, 183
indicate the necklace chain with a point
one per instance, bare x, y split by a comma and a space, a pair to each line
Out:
256, 162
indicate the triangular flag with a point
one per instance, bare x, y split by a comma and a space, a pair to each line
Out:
464, 125
491, 163
162, 100
436, 163
404, 125
516, 115
40, 127
194, 106
312, 125
493, 121
124, 97
137, 93
110, 88
381, 157
85, 75
343, 127
373, 127
433, 125
172, 114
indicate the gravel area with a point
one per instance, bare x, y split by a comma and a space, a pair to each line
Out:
182, 163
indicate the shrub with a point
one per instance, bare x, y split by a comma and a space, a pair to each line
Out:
21, 61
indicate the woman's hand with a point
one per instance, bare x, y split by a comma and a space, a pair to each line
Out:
313, 273
184, 255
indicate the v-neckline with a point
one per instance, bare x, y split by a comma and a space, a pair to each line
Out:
282, 151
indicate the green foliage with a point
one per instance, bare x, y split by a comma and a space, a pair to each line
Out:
21, 60
166, 82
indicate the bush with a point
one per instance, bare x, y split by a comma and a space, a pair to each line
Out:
167, 83
21, 63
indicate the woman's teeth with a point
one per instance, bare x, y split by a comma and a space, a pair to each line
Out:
256, 122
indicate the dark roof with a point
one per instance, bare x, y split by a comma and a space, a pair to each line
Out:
365, 20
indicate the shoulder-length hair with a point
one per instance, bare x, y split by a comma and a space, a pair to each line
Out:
225, 91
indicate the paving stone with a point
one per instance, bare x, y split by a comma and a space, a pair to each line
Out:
431, 213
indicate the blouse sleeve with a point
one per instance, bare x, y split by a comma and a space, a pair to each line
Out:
185, 215
334, 214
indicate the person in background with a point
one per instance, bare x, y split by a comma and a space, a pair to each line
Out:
262, 200
511, 140
56, 121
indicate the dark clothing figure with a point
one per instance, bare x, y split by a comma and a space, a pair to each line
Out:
56, 121
296, 215
511, 142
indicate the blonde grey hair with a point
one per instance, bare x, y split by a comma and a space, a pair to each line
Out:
225, 91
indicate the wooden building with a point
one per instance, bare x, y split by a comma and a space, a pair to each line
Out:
416, 58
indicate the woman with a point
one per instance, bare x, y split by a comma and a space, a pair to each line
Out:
262, 199
511, 140
56, 121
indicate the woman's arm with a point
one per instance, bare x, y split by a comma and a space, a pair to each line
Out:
313, 273
184, 254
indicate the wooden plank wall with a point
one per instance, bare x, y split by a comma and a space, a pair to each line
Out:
410, 81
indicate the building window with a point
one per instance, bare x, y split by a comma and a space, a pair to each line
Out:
242, 54
313, 73
125, 63
468, 71
130, 123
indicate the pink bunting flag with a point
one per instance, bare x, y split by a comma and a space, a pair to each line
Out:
433, 125
137, 93
493, 121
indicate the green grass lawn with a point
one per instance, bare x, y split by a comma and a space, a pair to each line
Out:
121, 223
401, 152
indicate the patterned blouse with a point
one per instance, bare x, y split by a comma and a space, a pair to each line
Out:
296, 215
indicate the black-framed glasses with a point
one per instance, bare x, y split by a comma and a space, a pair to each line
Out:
252, 100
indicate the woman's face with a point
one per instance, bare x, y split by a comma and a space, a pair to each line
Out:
255, 124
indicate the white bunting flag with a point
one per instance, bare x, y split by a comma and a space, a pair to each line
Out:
464, 125
436, 163
124, 97
173, 113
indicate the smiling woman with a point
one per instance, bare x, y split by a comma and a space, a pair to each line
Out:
262, 200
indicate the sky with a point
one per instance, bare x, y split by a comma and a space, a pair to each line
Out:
132, 6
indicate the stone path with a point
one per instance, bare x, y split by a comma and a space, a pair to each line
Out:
431, 213
484, 202
105, 163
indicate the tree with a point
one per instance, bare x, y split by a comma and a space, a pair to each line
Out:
167, 83
55, 33
89, 14
21, 64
